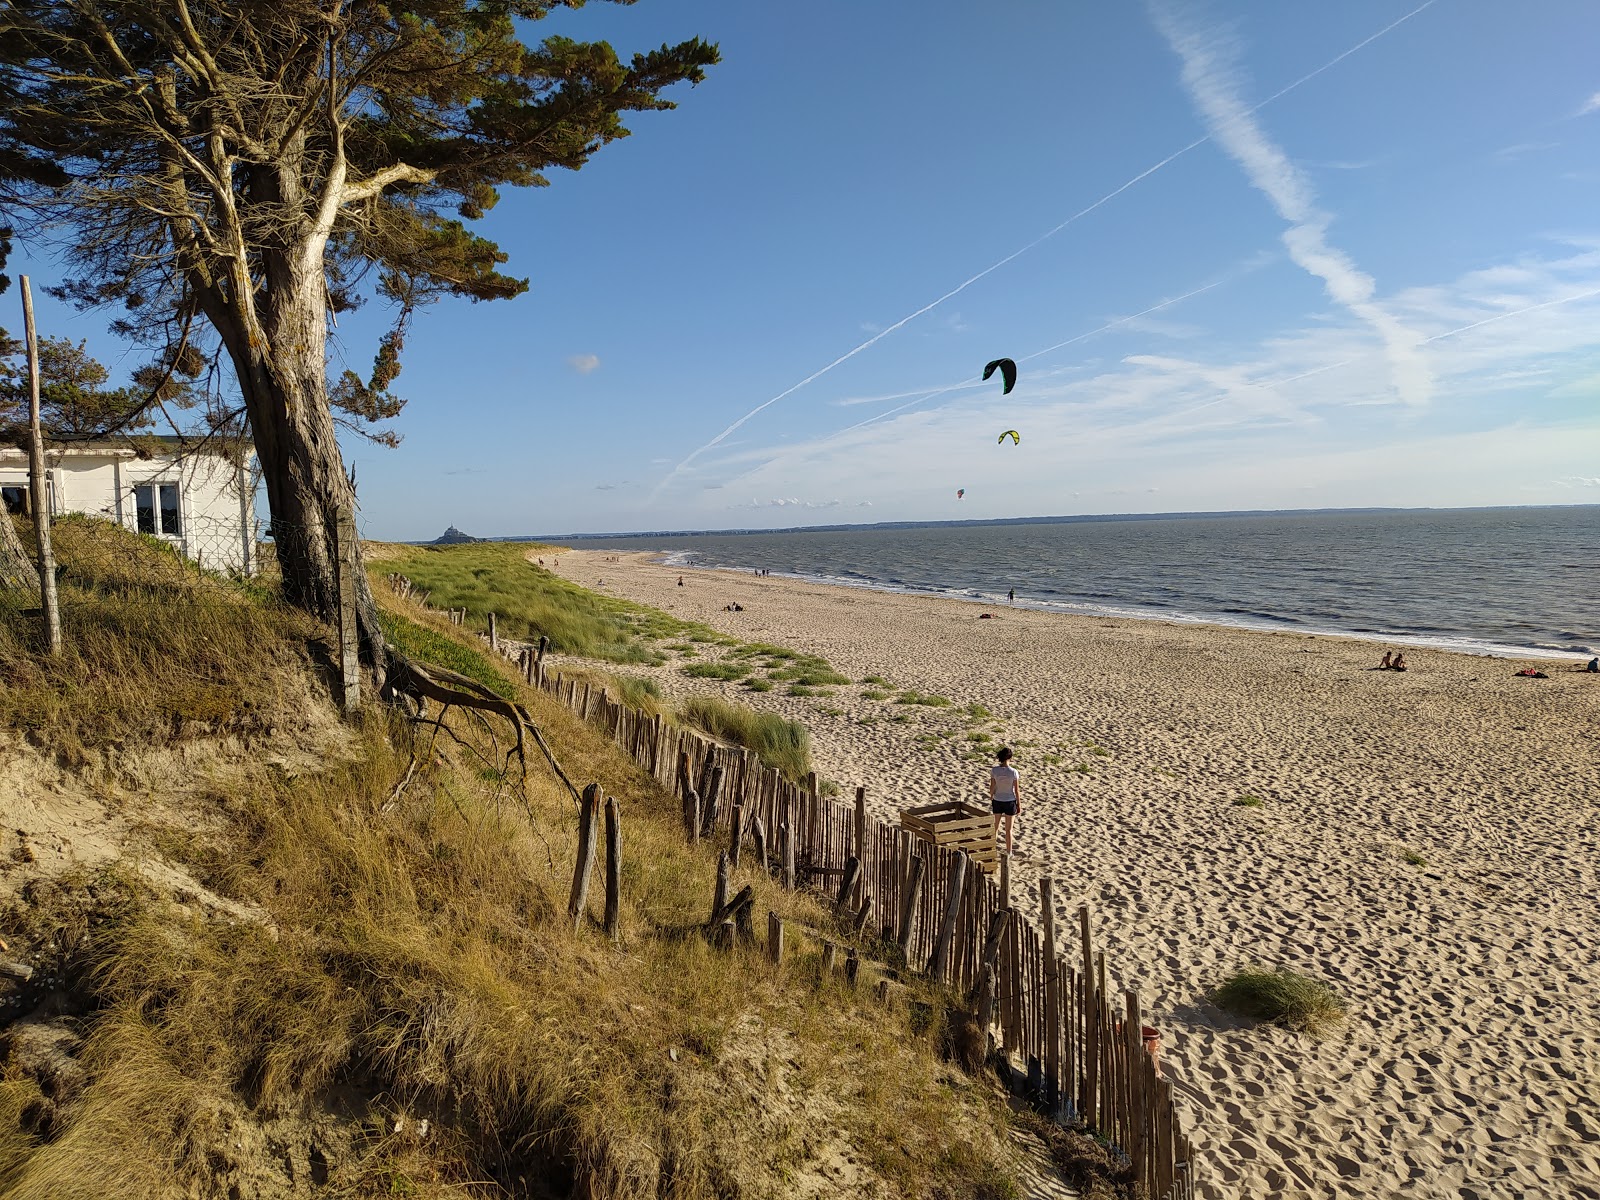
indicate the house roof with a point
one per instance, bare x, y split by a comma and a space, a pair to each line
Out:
134, 445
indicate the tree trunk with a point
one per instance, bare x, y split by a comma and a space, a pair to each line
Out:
277, 339
16, 568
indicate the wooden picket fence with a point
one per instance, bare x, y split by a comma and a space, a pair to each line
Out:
1052, 1008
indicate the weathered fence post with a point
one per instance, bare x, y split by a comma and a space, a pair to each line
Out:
862, 914
952, 913
987, 988
830, 960
852, 868
787, 834
735, 835
613, 869
719, 898
758, 834
852, 965
860, 832
1133, 1049
908, 904
1088, 1102
1052, 994
344, 544
579, 899
708, 802
538, 661
39, 485
494, 635
774, 937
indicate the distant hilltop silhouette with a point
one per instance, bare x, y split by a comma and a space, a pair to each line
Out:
453, 537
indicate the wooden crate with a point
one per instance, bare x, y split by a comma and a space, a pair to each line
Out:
957, 824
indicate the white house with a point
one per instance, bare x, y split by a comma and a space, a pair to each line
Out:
197, 499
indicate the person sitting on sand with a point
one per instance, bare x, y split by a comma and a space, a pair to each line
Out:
1399, 663
1005, 792
1388, 661
1594, 666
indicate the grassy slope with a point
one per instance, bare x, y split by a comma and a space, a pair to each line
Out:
414, 963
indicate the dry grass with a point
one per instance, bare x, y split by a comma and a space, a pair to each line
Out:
777, 741
415, 962
155, 650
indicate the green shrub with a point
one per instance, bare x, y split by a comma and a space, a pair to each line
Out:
757, 685
1415, 859
1248, 801
779, 743
875, 680
1296, 1002
924, 698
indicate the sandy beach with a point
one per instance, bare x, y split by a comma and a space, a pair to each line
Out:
1426, 843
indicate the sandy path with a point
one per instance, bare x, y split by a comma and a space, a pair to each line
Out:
1471, 1063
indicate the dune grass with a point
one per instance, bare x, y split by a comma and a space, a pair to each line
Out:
155, 649
780, 743
413, 961
529, 601
926, 699
1296, 1002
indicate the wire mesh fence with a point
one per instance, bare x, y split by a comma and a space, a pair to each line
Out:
102, 565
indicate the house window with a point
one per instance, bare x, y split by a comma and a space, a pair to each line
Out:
18, 497
157, 509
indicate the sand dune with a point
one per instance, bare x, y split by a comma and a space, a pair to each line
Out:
1470, 1065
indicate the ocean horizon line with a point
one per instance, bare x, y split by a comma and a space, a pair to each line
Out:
998, 522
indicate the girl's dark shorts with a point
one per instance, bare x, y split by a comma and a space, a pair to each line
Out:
1003, 808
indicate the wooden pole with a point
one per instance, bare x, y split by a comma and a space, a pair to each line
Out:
786, 834
735, 835
344, 543
1005, 881
538, 660
987, 989
1088, 1101
39, 485
908, 904
952, 913
579, 899
494, 635
708, 802
862, 914
744, 899
719, 898
1047, 914
1133, 1023
613, 869
852, 868
830, 960
860, 832
774, 937
758, 835
852, 965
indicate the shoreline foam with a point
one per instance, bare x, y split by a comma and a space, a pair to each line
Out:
1470, 1057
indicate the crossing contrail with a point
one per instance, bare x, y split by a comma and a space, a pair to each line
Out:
1015, 254
1071, 341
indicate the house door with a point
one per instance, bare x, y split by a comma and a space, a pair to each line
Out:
158, 510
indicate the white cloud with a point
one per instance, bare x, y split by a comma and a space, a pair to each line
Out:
1512, 348
1576, 481
583, 363
1212, 80
1592, 104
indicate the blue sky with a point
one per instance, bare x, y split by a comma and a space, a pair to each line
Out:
1379, 287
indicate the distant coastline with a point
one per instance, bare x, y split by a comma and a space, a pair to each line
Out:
995, 522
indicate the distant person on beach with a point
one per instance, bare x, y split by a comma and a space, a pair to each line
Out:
1399, 663
1012, 596
680, 580
1594, 666
1388, 661
1005, 792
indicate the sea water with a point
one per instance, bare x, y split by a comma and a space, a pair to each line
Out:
1522, 581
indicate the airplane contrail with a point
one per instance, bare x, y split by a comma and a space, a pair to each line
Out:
1015, 254
1438, 337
